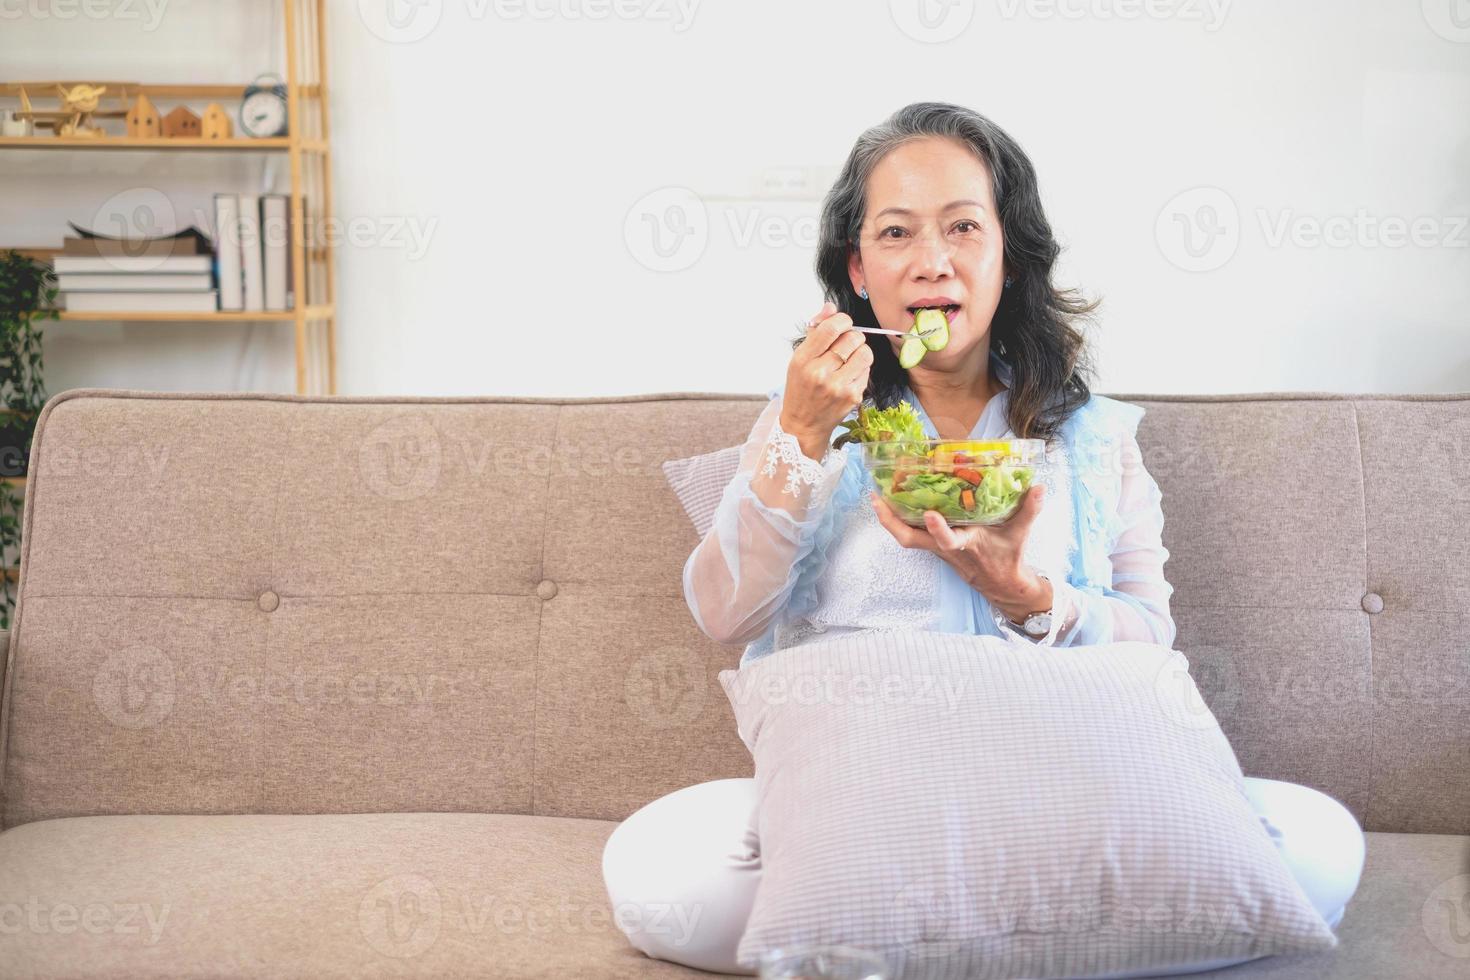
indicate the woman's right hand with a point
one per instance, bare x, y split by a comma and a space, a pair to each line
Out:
825, 380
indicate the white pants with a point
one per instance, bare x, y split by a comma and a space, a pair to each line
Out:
682, 871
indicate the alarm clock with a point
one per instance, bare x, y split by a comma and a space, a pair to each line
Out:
263, 108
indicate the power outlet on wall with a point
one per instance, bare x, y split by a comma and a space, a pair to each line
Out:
795, 182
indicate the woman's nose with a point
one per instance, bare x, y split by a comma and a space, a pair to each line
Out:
932, 257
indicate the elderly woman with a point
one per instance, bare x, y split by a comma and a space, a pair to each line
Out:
936, 207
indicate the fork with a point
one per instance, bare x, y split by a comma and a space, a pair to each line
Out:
878, 330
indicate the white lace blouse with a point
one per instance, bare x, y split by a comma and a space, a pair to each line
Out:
814, 560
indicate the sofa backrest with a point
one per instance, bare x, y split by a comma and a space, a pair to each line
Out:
289, 604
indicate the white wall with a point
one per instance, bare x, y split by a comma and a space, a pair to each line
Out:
495, 161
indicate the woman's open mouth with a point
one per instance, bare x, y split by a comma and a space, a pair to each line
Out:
950, 310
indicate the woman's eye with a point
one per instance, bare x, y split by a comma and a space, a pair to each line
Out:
885, 231
972, 225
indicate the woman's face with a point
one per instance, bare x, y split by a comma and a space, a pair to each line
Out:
932, 236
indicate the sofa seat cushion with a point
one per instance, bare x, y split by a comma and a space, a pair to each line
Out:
1408, 918
377, 894
323, 895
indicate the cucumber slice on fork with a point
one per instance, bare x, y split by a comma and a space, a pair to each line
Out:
932, 326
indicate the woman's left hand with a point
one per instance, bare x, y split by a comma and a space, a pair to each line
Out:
988, 557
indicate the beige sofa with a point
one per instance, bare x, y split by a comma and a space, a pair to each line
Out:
358, 687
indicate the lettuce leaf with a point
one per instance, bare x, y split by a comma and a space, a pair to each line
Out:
899, 425
1000, 490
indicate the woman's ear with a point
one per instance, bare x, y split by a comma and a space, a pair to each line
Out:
855, 268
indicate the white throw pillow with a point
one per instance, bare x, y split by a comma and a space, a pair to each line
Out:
699, 482
966, 807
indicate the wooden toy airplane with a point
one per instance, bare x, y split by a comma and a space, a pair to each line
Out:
80, 104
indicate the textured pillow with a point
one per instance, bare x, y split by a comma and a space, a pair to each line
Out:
699, 482
967, 807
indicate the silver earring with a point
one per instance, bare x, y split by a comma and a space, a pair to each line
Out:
863, 292
1008, 282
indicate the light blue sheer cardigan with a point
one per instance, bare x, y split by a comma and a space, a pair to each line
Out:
1096, 487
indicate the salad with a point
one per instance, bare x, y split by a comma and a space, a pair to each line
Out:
966, 481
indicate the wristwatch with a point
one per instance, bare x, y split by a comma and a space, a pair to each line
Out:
1036, 624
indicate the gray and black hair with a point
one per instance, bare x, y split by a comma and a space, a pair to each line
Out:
1034, 320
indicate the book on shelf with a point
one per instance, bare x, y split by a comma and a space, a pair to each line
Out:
275, 234
227, 251
254, 250
168, 273
246, 268
252, 262
170, 282
189, 241
204, 301
129, 265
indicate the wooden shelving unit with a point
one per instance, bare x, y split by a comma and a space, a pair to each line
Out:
133, 143
308, 149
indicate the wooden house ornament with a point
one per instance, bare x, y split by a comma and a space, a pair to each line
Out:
143, 120
181, 123
216, 124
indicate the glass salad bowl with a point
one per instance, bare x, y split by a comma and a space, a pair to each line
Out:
966, 481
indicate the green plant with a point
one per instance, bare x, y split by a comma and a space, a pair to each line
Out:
27, 296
